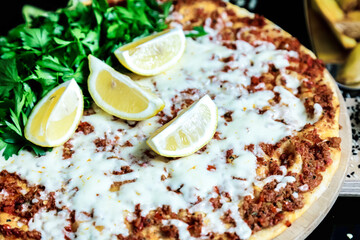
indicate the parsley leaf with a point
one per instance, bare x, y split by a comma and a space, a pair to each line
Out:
197, 31
8, 76
35, 37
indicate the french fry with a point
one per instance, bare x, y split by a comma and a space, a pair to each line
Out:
350, 71
347, 5
330, 9
353, 15
333, 14
346, 41
350, 26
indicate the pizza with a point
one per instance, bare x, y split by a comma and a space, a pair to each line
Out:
273, 154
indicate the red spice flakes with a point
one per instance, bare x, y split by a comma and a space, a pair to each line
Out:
201, 150
313, 136
215, 202
105, 144
239, 178
268, 148
85, 128
232, 236
195, 223
163, 118
216, 190
230, 156
217, 136
274, 169
230, 45
306, 65
287, 158
287, 43
211, 168
277, 98
231, 58
127, 144
316, 158
334, 142
257, 21
227, 219
249, 147
115, 187
17, 233
186, 103
255, 80
324, 96
260, 212
100, 144
124, 170
68, 150
228, 116
170, 231
260, 160
190, 91
138, 224
177, 191
308, 83
15, 200
226, 68
309, 107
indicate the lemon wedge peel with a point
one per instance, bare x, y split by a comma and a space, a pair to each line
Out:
56, 116
153, 54
192, 129
120, 96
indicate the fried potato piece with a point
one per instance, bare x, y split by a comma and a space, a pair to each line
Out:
350, 72
353, 15
347, 5
334, 15
350, 26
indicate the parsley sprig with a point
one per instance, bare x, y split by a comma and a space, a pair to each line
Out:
52, 47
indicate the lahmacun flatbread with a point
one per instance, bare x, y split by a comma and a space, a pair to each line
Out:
274, 152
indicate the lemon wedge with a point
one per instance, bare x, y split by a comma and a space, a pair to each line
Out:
56, 116
153, 54
120, 96
192, 129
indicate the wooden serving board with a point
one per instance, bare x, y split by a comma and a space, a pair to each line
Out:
304, 225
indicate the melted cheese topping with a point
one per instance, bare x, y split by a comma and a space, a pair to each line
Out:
83, 182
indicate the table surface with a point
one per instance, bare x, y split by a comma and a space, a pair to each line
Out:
340, 223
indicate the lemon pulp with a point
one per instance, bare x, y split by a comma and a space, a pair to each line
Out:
188, 132
56, 129
40, 121
55, 117
117, 94
153, 54
160, 54
133, 45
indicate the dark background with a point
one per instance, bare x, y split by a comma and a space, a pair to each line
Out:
344, 217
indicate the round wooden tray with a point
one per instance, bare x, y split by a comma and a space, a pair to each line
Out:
303, 226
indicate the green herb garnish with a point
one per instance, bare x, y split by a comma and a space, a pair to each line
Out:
197, 31
52, 47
